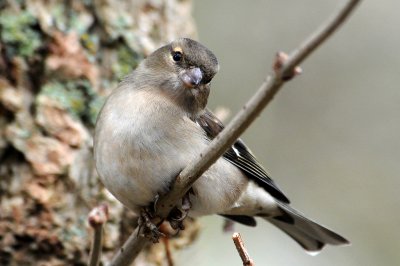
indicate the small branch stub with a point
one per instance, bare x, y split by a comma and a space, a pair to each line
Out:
280, 60
244, 255
97, 217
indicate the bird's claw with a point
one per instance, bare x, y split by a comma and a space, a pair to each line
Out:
177, 222
150, 230
180, 214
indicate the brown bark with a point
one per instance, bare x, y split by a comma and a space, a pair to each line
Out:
58, 61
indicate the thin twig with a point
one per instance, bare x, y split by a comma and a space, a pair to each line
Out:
95, 252
98, 216
236, 127
131, 248
244, 255
168, 253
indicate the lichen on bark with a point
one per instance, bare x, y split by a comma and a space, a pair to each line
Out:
58, 62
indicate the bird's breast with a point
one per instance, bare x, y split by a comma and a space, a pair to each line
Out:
141, 144
143, 141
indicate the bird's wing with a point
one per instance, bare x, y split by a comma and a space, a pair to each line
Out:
240, 156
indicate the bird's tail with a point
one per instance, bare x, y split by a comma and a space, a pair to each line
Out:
310, 235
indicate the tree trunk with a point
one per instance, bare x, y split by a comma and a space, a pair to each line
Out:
58, 61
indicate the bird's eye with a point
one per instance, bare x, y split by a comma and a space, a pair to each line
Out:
177, 56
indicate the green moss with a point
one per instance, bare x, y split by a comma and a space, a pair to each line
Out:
77, 97
69, 95
18, 34
91, 43
94, 109
126, 62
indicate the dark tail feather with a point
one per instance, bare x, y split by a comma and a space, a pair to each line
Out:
310, 235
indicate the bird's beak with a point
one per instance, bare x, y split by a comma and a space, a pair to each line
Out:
191, 77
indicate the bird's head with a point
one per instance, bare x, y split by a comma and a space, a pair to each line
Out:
182, 70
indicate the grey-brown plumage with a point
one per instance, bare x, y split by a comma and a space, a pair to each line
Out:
155, 122
310, 235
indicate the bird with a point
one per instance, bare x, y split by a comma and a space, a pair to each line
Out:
156, 121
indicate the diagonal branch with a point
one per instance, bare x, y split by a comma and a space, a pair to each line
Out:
285, 68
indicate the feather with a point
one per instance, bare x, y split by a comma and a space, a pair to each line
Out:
240, 156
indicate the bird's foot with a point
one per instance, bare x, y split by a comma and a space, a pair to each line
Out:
178, 215
150, 230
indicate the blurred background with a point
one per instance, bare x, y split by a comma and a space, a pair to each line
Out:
331, 137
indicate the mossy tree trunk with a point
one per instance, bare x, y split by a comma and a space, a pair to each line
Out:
58, 61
